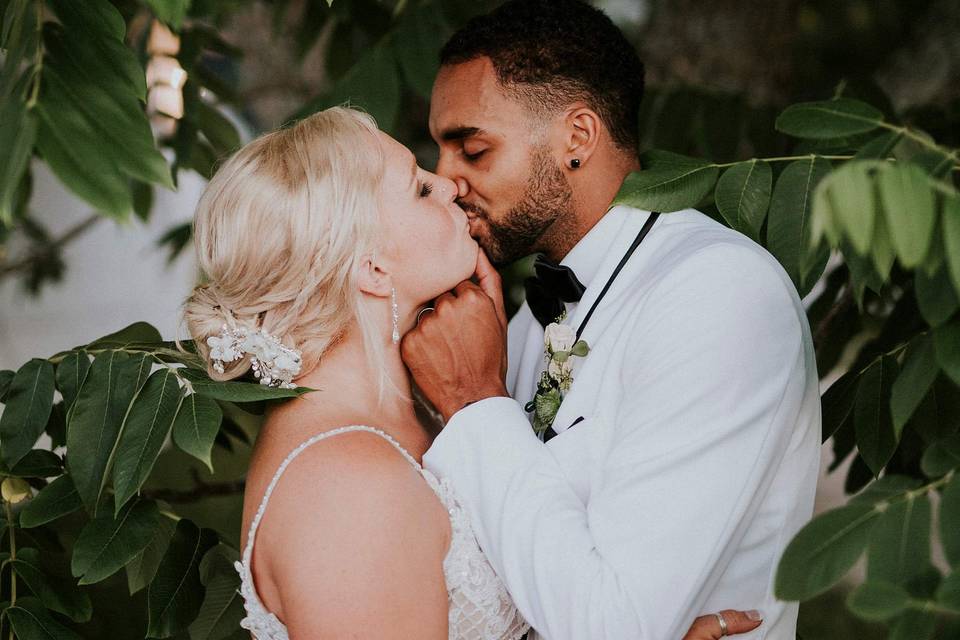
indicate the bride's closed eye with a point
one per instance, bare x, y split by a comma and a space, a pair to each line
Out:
425, 189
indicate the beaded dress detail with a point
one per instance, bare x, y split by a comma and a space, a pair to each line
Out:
480, 607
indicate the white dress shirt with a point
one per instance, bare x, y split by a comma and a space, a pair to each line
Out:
695, 456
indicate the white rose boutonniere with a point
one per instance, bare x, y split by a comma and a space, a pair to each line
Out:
560, 345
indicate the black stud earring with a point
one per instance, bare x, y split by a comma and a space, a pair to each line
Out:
575, 163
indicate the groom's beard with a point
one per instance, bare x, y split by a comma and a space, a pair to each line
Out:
546, 199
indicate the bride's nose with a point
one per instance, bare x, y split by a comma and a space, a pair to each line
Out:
448, 188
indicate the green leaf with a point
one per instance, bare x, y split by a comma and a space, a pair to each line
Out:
878, 601
950, 521
31, 621
884, 489
837, 402
106, 543
29, 401
19, 38
72, 151
876, 437
18, 132
881, 248
850, 193
880, 147
95, 420
56, 500
38, 463
668, 182
823, 551
941, 457
71, 373
54, 595
828, 119
743, 196
176, 594
863, 274
948, 594
196, 425
96, 16
136, 333
142, 569
116, 118
938, 416
789, 228
236, 391
142, 200
216, 127
546, 406
144, 431
170, 11
580, 349
417, 41
105, 58
946, 342
916, 377
6, 377
371, 84
910, 210
913, 625
900, 542
951, 238
935, 296
222, 607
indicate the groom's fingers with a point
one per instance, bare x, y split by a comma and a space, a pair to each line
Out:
489, 281
739, 621
708, 627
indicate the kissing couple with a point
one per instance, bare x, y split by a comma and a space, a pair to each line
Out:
627, 459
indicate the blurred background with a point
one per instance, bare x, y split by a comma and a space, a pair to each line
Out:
718, 73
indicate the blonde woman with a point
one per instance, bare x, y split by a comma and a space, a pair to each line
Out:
320, 243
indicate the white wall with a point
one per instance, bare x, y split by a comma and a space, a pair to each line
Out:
115, 275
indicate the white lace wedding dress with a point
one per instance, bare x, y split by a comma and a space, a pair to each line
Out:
480, 607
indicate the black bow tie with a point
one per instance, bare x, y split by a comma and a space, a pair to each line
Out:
552, 285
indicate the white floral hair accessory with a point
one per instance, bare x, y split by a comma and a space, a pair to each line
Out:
274, 364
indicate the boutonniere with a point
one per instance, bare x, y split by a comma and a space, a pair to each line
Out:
560, 345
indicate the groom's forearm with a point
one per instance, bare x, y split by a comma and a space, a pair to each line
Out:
508, 480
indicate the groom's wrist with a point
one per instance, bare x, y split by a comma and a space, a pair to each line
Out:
452, 408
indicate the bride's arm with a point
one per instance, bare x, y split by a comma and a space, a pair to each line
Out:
354, 541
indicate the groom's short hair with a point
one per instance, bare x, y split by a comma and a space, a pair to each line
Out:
554, 52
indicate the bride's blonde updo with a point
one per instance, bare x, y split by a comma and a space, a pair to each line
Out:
279, 233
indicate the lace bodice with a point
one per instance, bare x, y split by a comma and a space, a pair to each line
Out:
480, 607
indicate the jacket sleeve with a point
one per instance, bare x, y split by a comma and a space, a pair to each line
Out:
713, 379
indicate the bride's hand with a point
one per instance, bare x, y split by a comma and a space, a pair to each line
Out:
708, 627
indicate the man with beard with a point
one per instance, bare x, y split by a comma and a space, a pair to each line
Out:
683, 447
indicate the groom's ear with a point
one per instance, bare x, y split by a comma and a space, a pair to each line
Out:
373, 279
583, 127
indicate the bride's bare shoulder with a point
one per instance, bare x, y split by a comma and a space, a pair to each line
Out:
350, 479
348, 511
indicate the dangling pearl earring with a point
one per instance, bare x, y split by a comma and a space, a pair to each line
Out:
396, 316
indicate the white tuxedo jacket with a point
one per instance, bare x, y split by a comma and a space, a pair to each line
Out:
697, 455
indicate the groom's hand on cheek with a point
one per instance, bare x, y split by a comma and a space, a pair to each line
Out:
457, 354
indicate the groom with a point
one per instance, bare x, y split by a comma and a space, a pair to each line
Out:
684, 455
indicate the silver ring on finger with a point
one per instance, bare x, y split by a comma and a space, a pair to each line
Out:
422, 311
723, 624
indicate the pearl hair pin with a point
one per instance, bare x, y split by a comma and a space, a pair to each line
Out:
273, 364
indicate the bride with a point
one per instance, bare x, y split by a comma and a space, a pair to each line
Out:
320, 243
